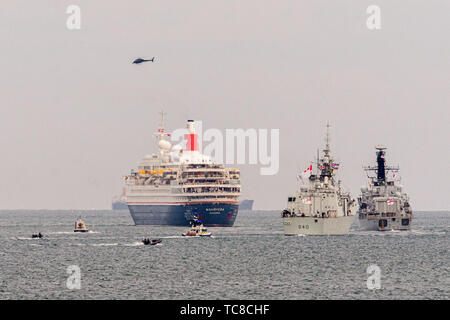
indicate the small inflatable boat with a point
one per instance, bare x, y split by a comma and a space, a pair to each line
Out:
151, 242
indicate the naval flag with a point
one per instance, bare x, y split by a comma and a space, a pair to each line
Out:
301, 176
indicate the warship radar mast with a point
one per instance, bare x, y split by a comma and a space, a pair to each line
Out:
324, 165
327, 141
381, 168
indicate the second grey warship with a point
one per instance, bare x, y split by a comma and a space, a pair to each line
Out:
321, 207
383, 205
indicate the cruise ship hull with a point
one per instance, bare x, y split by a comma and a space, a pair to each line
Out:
214, 214
317, 226
385, 224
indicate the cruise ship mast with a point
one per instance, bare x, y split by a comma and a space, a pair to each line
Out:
161, 132
164, 146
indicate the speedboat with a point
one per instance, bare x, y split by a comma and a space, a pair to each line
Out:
197, 230
80, 226
39, 235
151, 242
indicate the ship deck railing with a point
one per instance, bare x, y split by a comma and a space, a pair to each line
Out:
309, 216
209, 169
221, 193
385, 215
205, 178
209, 184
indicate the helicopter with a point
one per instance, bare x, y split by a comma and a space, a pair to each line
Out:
140, 60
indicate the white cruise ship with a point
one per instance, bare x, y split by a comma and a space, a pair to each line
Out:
177, 186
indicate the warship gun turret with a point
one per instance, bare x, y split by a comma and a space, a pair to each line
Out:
383, 205
321, 207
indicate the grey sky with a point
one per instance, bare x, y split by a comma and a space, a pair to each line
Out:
75, 115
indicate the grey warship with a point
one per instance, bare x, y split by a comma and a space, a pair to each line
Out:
321, 207
383, 205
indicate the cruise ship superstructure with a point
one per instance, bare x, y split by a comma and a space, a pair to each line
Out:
180, 185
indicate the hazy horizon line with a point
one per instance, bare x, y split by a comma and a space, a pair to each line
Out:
105, 209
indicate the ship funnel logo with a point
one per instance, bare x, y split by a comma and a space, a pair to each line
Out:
191, 142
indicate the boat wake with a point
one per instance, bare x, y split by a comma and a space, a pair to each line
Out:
62, 232
71, 232
134, 244
424, 233
104, 244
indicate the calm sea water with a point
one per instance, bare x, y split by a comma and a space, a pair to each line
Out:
252, 260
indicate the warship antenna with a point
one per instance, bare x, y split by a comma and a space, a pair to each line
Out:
327, 140
318, 161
